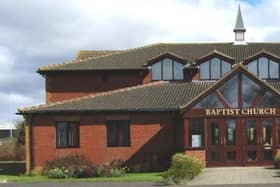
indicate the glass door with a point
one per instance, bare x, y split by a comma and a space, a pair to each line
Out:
252, 142
224, 142
259, 141
232, 142
268, 138
215, 155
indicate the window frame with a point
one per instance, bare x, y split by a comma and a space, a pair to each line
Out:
209, 60
241, 80
67, 134
268, 67
278, 131
161, 70
189, 146
118, 144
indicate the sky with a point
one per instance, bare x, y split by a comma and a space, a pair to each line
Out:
36, 33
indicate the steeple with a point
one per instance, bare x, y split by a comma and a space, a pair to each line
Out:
239, 28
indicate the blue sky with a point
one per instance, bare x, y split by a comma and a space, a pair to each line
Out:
36, 33
253, 2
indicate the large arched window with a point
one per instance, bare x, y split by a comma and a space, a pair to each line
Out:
264, 68
167, 69
214, 69
240, 91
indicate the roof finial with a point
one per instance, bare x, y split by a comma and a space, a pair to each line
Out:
239, 28
239, 25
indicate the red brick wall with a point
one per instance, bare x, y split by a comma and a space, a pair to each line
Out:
152, 138
61, 86
200, 154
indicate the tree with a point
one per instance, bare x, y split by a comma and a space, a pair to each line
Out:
20, 133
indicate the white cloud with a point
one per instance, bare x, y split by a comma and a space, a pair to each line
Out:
6, 61
35, 33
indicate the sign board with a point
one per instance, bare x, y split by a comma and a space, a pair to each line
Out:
196, 140
238, 111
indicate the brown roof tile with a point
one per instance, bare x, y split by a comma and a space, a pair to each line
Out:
135, 59
157, 96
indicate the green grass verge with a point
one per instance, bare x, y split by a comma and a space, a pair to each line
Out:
130, 177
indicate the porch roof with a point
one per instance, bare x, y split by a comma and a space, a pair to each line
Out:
161, 96
158, 96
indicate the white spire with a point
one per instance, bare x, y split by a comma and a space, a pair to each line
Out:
239, 29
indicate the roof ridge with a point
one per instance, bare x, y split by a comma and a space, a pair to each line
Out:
91, 96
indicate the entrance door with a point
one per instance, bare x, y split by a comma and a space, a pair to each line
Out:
224, 142
258, 141
233, 142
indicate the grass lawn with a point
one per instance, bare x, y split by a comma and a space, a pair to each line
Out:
130, 177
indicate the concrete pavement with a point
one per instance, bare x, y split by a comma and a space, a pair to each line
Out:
220, 177
119, 184
237, 175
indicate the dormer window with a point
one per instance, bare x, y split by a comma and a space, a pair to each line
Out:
167, 69
264, 68
214, 69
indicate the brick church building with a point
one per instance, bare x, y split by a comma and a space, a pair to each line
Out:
215, 101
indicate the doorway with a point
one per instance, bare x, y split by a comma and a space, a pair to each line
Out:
240, 142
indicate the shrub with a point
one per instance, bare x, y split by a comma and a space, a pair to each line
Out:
10, 151
85, 171
78, 165
182, 168
277, 161
20, 133
118, 172
154, 163
114, 169
60, 173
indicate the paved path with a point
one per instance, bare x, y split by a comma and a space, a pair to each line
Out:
118, 184
220, 177
237, 175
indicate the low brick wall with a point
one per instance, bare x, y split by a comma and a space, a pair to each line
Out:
12, 167
200, 154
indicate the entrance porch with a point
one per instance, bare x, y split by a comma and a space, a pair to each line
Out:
236, 122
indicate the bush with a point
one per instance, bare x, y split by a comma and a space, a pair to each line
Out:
60, 173
155, 162
10, 151
76, 164
113, 169
277, 161
20, 133
182, 168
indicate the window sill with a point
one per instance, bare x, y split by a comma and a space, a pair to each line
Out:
110, 147
76, 147
195, 148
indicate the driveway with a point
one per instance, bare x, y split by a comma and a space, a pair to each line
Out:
237, 175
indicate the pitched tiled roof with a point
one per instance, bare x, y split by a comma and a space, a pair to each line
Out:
84, 54
138, 57
161, 96
158, 96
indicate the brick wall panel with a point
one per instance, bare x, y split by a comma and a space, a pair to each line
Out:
151, 135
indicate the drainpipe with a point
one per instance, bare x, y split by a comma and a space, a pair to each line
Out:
28, 144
